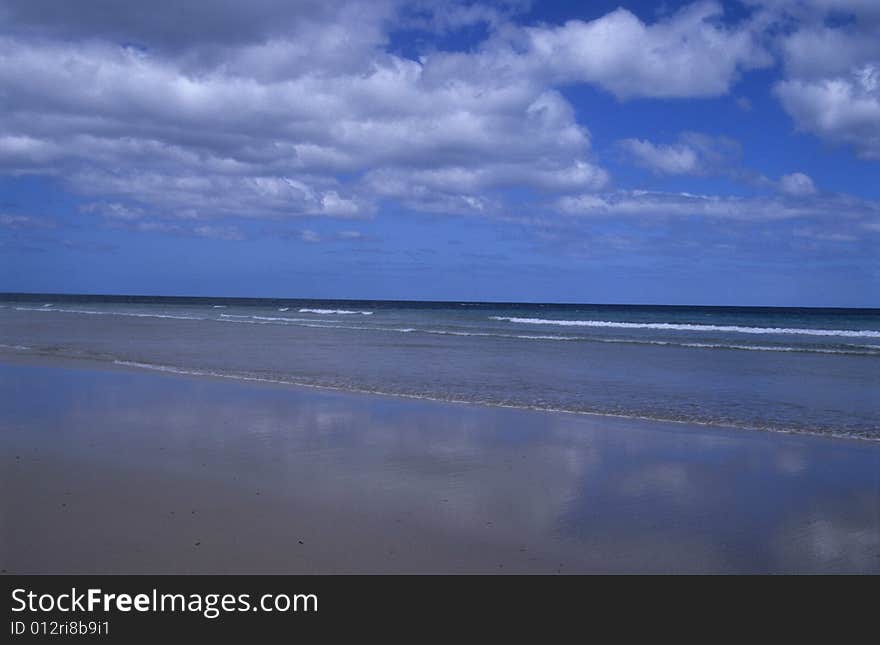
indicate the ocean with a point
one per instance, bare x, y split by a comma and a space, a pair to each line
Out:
802, 370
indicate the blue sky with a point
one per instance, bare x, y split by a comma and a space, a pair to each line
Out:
706, 153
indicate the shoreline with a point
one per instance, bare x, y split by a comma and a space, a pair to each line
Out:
127, 471
6, 356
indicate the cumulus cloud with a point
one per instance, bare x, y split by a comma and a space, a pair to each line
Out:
308, 115
797, 184
459, 189
276, 110
832, 82
691, 53
673, 159
692, 154
212, 25
279, 109
819, 51
861, 214
842, 109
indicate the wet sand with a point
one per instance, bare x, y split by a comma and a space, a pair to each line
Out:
115, 471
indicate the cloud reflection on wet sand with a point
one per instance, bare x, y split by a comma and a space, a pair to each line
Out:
385, 484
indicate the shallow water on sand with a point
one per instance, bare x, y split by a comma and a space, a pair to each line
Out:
118, 471
791, 370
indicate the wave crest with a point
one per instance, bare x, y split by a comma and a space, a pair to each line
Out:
339, 312
850, 333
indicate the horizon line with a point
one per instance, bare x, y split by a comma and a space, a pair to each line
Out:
4, 294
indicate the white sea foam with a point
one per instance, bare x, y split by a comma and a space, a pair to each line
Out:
854, 350
327, 323
219, 307
334, 311
275, 319
283, 308
850, 333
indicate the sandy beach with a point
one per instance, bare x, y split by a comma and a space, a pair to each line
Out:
121, 471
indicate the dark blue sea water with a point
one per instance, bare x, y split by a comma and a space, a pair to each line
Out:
782, 369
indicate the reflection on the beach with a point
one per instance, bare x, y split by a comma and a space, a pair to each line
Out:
599, 494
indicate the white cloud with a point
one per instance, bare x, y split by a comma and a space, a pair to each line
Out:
842, 109
693, 154
311, 236
462, 189
204, 195
672, 159
229, 140
861, 214
805, 9
797, 184
689, 54
832, 83
228, 233
21, 153
281, 110
8, 220
114, 211
818, 51
211, 25
263, 110
825, 236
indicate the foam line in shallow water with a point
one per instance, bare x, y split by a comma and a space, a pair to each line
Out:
329, 323
851, 333
110, 313
292, 381
334, 312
